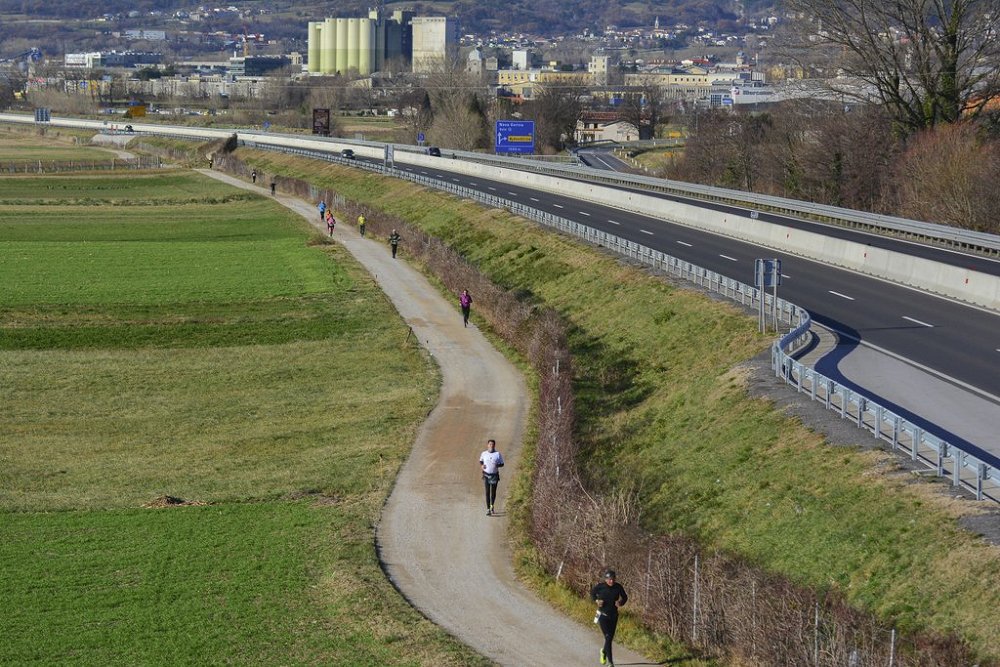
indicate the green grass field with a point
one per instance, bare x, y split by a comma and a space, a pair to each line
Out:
20, 145
172, 337
663, 408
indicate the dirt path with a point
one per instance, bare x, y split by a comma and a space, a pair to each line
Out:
450, 560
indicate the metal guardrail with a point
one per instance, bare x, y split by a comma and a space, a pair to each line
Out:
977, 472
942, 235
926, 232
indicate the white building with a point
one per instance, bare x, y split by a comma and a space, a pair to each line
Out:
521, 59
434, 38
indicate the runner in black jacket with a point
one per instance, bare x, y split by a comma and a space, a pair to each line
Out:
609, 595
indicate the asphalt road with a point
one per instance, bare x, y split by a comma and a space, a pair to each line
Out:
957, 344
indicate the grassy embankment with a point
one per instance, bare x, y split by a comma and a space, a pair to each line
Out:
20, 144
165, 335
663, 408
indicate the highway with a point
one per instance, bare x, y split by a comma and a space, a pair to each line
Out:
957, 343
954, 341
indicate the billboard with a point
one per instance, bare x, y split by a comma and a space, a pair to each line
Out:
321, 122
515, 136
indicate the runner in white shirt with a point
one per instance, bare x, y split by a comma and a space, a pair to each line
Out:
491, 461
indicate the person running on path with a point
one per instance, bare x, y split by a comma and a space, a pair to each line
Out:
322, 210
331, 221
394, 242
253, 176
361, 224
465, 301
491, 461
609, 596
274, 184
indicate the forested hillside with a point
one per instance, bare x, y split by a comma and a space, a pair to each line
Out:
535, 16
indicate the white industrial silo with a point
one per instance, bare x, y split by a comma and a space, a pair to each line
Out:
353, 43
315, 30
341, 46
328, 50
366, 46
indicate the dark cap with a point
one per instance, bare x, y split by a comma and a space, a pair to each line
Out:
609, 574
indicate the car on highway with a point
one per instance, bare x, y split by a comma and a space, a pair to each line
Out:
347, 154
434, 151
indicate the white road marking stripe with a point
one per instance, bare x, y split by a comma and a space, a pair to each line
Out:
558, 205
614, 222
646, 231
512, 194
842, 296
731, 259
474, 184
687, 244
492, 188
534, 198
584, 213
923, 324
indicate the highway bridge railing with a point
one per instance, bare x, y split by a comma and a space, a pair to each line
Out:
914, 230
971, 469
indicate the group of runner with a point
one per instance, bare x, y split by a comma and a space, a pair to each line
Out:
608, 594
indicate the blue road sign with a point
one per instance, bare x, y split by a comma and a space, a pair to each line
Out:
420, 138
767, 272
515, 136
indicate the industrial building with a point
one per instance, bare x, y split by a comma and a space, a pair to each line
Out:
434, 37
97, 60
365, 45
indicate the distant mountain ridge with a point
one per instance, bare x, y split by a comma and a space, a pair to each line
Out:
543, 17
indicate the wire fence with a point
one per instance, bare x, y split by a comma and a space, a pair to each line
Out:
62, 166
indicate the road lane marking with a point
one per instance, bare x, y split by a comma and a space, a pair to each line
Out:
687, 244
558, 205
614, 222
512, 194
923, 324
731, 259
534, 198
583, 213
646, 231
492, 188
842, 296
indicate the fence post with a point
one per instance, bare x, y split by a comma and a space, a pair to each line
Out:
816, 634
694, 616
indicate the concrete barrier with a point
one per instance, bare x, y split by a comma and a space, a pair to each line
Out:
958, 283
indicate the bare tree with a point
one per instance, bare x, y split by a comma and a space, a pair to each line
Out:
457, 104
555, 111
949, 175
644, 106
928, 61
822, 152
